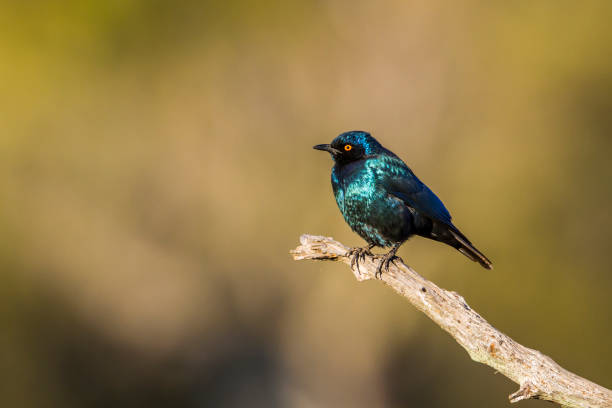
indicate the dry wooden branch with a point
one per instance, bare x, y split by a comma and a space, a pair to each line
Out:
538, 376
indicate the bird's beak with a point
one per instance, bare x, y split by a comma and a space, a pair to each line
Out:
327, 148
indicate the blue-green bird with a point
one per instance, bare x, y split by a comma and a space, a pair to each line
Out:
385, 203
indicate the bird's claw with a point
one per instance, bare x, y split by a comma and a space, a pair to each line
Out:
357, 254
386, 260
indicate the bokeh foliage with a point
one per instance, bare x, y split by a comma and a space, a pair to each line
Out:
156, 167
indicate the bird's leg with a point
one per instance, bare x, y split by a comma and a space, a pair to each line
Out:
388, 258
357, 253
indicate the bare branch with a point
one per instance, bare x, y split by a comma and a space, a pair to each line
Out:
538, 376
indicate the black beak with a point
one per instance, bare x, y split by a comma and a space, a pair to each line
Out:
327, 148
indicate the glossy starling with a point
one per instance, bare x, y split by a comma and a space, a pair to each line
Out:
385, 203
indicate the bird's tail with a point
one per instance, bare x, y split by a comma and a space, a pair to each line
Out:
450, 235
464, 246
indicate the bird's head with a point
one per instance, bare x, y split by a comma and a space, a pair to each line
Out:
351, 146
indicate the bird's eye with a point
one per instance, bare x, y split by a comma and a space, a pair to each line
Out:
348, 147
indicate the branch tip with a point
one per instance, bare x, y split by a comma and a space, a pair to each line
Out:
526, 391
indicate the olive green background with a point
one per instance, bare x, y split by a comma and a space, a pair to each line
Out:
156, 167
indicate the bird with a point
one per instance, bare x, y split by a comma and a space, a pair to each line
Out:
385, 203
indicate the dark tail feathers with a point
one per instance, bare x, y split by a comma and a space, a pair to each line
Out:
450, 235
464, 246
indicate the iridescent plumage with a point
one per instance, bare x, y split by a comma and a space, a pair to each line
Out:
384, 202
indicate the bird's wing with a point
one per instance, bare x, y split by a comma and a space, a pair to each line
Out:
403, 184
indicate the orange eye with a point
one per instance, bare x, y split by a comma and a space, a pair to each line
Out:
348, 147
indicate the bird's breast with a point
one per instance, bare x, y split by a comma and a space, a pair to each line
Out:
368, 208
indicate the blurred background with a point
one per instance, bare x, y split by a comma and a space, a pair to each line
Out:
156, 167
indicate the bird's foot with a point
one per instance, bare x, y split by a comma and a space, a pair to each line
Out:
357, 254
386, 260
